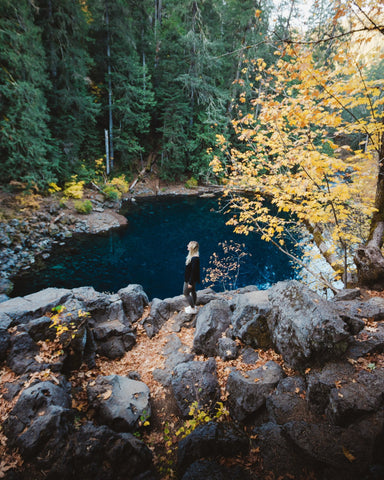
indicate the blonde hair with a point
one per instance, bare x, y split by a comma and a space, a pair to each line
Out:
193, 251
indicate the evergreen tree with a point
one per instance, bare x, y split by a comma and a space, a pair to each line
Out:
26, 148
73, 110
120, 30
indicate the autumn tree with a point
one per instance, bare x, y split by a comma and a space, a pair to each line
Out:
311, 154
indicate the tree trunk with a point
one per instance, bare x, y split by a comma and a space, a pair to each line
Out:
369, 259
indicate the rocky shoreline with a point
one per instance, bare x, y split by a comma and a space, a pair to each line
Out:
285, 384
29, 236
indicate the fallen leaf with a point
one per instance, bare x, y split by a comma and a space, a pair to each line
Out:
107, 394
348, 454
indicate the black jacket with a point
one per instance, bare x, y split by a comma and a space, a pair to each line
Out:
192, 271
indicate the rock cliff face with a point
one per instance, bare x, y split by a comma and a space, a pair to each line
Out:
286, 383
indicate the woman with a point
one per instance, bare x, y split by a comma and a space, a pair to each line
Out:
191, 276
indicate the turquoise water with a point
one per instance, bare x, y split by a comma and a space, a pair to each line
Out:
151, 251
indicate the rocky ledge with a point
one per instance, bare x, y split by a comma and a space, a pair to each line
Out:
25, 240
290, 385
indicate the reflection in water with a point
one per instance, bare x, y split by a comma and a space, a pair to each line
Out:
151, 251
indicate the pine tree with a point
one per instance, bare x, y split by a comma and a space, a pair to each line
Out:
120, 30
26, 148
73, 109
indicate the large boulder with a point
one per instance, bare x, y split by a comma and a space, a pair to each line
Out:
175, 352
249, 319
159, 314
119, 402
321, 381
23, 309
99, 453
305, 328
22, 354
339, 452
288, 402
247, 391
134, 300
196, 382
212, 439
279, 457
113, 338
356, 397
211, 323
40, 422
370, 340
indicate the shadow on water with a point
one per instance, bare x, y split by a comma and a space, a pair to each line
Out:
151, 251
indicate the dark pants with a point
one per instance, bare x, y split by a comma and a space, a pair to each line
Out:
190, 294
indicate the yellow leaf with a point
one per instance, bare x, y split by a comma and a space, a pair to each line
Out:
106, 394
348, 455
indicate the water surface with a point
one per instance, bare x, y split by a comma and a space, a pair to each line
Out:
151, 251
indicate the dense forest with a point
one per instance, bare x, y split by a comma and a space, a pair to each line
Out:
155, 77
244, 93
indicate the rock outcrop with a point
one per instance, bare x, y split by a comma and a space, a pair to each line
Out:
287, 384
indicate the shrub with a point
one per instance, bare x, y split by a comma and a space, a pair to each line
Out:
111, 193
191, 183
120, 183
74, 189
83, 206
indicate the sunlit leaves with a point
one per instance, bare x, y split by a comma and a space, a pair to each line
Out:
299, 153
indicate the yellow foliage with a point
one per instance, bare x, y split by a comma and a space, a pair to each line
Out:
74, 188
292, 153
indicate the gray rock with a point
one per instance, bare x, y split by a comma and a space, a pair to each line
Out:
227, 349
22, 352
247, 391
40, 329
331, 446
119, 401
39, 423
249, 356
4, 343
195, 382
305, 328
211, 322
250, 321
213, 470
214, 440
347, 294
99, 453
288, 402
320, 382
134, 300
279, 455
91, 299
23, 309
159, 314
370, 340
176, 304
372, 308
112, 310
113, 338
356, 397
